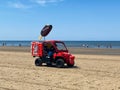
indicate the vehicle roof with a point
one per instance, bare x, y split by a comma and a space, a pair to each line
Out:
53, 41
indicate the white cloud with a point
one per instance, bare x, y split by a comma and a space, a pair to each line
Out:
18, 5
30, 3
44, 2
41, 2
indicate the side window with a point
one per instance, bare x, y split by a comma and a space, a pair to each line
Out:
60, 46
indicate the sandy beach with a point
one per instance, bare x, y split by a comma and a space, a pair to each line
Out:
95, 69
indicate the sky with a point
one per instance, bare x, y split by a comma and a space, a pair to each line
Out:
79, 20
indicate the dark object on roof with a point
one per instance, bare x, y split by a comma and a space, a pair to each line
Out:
46, 30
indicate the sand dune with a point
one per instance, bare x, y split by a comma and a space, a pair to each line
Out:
91, 72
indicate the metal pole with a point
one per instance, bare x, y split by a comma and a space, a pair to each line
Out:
44, 38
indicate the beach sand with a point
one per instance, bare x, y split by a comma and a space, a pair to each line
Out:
95, 69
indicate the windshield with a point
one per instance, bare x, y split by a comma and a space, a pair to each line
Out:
60, 46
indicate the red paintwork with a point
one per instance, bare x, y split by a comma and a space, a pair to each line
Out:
37, 51
69, 59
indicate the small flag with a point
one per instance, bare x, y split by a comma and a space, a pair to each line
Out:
40, 37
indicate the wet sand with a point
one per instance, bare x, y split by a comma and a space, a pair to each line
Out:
86, 51
95, 69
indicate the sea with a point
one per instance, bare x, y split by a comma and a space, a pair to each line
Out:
78, 44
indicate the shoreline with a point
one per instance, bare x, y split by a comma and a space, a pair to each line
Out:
73, 50
79, 44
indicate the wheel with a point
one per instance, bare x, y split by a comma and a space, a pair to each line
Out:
38, 62
60, 63
48, 61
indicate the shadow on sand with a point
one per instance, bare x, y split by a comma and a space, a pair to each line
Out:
65, 67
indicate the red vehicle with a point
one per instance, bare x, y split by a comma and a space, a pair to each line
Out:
59, 57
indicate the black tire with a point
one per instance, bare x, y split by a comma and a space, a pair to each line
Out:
48, 61
38, 62
49, 64
60, 63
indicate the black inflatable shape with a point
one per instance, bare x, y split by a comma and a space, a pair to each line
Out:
46, 30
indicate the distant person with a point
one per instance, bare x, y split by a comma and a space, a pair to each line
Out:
83, 45
3, 44
87, 46
110, 46
20, 45
98, 45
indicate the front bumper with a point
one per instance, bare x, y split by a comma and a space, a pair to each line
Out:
71, 60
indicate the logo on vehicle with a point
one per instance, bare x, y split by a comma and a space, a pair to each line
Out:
35, 49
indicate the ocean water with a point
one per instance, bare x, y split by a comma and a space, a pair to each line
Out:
81, 44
